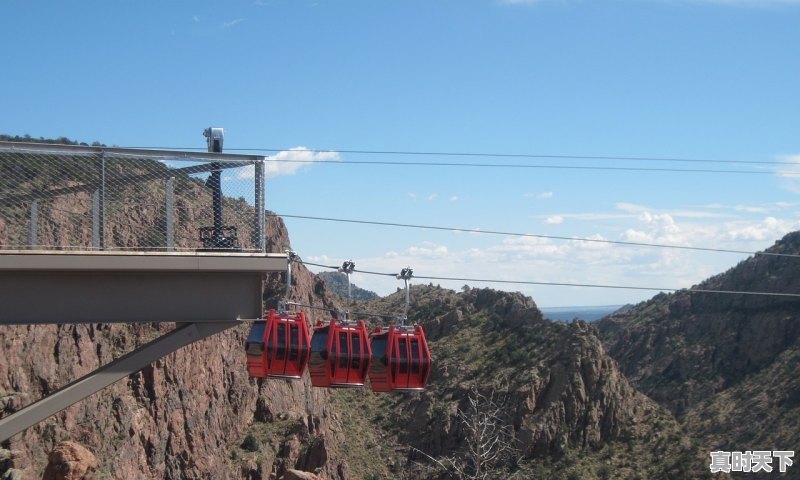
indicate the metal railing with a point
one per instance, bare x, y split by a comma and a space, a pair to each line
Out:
62, 197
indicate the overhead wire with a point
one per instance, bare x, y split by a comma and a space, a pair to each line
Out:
582, 285
535, 166
530, 166
534, 235
521, 165
494, 155
335, 310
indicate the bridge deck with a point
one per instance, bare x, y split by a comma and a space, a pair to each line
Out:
39, 287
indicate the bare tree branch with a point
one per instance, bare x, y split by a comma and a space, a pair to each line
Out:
489, 441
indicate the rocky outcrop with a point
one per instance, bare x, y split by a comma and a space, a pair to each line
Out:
558, 389
70, 461
683, 348
177, 418
292, 474
724, 364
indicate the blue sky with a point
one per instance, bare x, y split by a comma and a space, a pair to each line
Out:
672, 78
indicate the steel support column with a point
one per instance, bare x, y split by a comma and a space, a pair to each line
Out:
33, 231
169, 194
258, 228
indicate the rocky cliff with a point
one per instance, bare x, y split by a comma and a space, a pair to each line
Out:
178, 418
570, 412
724, 364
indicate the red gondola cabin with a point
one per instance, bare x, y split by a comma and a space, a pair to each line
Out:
340, 354
401, 360
279, 346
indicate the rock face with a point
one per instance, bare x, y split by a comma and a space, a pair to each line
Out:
292, 474
70, 461
685, 347
719, 362
174, 419
559, 391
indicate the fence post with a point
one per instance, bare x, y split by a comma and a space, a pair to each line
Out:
258, 228
169, 190
98, 207
33, 232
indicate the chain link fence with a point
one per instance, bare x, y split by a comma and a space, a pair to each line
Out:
56, 197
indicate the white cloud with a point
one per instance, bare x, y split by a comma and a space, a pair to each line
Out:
751, 209
432, 196
195, 19
427, 251
540, 195
768, 229
454, 198
287, 162
554, 220
548, 260
232, 23
412, 196
637, 236
697, 214
590, 216
631, 207
790, 174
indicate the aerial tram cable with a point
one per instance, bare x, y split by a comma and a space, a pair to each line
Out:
532, 235
531, 166
340, 353
496, 155
583, 285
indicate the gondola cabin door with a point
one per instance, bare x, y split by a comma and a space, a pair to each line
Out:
279, 346
401, 360
340, 354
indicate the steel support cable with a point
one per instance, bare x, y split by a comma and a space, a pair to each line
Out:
546, 167
334, 310
493, 155
534, 235
585, 285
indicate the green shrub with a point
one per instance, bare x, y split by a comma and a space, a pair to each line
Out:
250, 443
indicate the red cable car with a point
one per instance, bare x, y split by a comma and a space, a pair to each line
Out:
340, 354
401, 359
279, 346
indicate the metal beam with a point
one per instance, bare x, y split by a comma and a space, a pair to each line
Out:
45, 148
33, 231
100, 287
169, 205
97, 229
49, 260
258, 228
108, 374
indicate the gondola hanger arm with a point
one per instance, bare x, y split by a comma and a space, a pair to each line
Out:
405, 275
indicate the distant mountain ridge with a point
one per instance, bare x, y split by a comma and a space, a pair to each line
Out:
337, 283
585, 313
573, 414
725, 365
